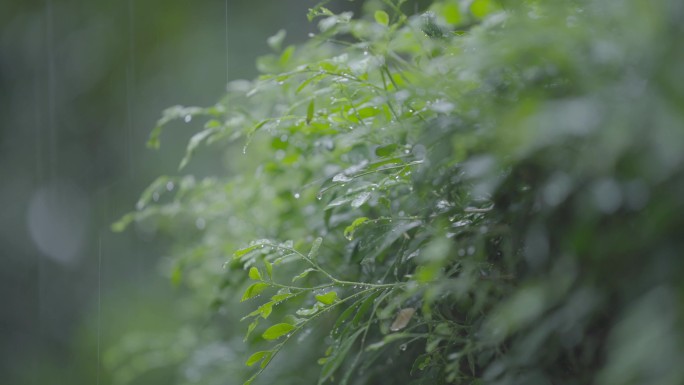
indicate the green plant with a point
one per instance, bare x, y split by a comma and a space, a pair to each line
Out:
486, 192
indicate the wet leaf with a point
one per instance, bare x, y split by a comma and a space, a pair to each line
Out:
276, 331
254, 290
328, 298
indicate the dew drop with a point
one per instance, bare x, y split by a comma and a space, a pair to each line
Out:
296, 195
169, 186
188, 118
402, 347
155, 196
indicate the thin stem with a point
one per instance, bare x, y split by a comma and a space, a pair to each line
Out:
278, 347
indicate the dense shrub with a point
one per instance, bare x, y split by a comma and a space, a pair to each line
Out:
486, 192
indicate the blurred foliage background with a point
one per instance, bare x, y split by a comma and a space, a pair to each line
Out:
81, 85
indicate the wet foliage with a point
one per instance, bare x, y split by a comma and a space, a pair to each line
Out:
481, 192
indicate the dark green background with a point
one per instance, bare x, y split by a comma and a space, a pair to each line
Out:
82, 82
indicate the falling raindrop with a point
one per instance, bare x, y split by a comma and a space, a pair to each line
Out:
227, 50
130, 89
99, 301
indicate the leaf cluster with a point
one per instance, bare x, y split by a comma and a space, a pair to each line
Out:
487, 192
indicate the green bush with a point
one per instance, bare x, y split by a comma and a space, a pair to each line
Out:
483, 193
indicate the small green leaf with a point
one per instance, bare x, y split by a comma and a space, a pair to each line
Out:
310, 112
314, 247
367, 112
385, 151
153, 141
276, 331
349, 230
363, 309
176, 275
256, 357
251, 328
269, 269
481, 8
303, 274
361, 199
306, 82
266, 309
122, 223
328, 298
337, 357
287, 55
452, 14
420, 363
306, 312
381, 17
337, 329
254, 274
282, 296
239, 253
254, 290
192, 145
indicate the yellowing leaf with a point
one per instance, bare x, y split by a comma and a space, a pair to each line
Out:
402, 319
